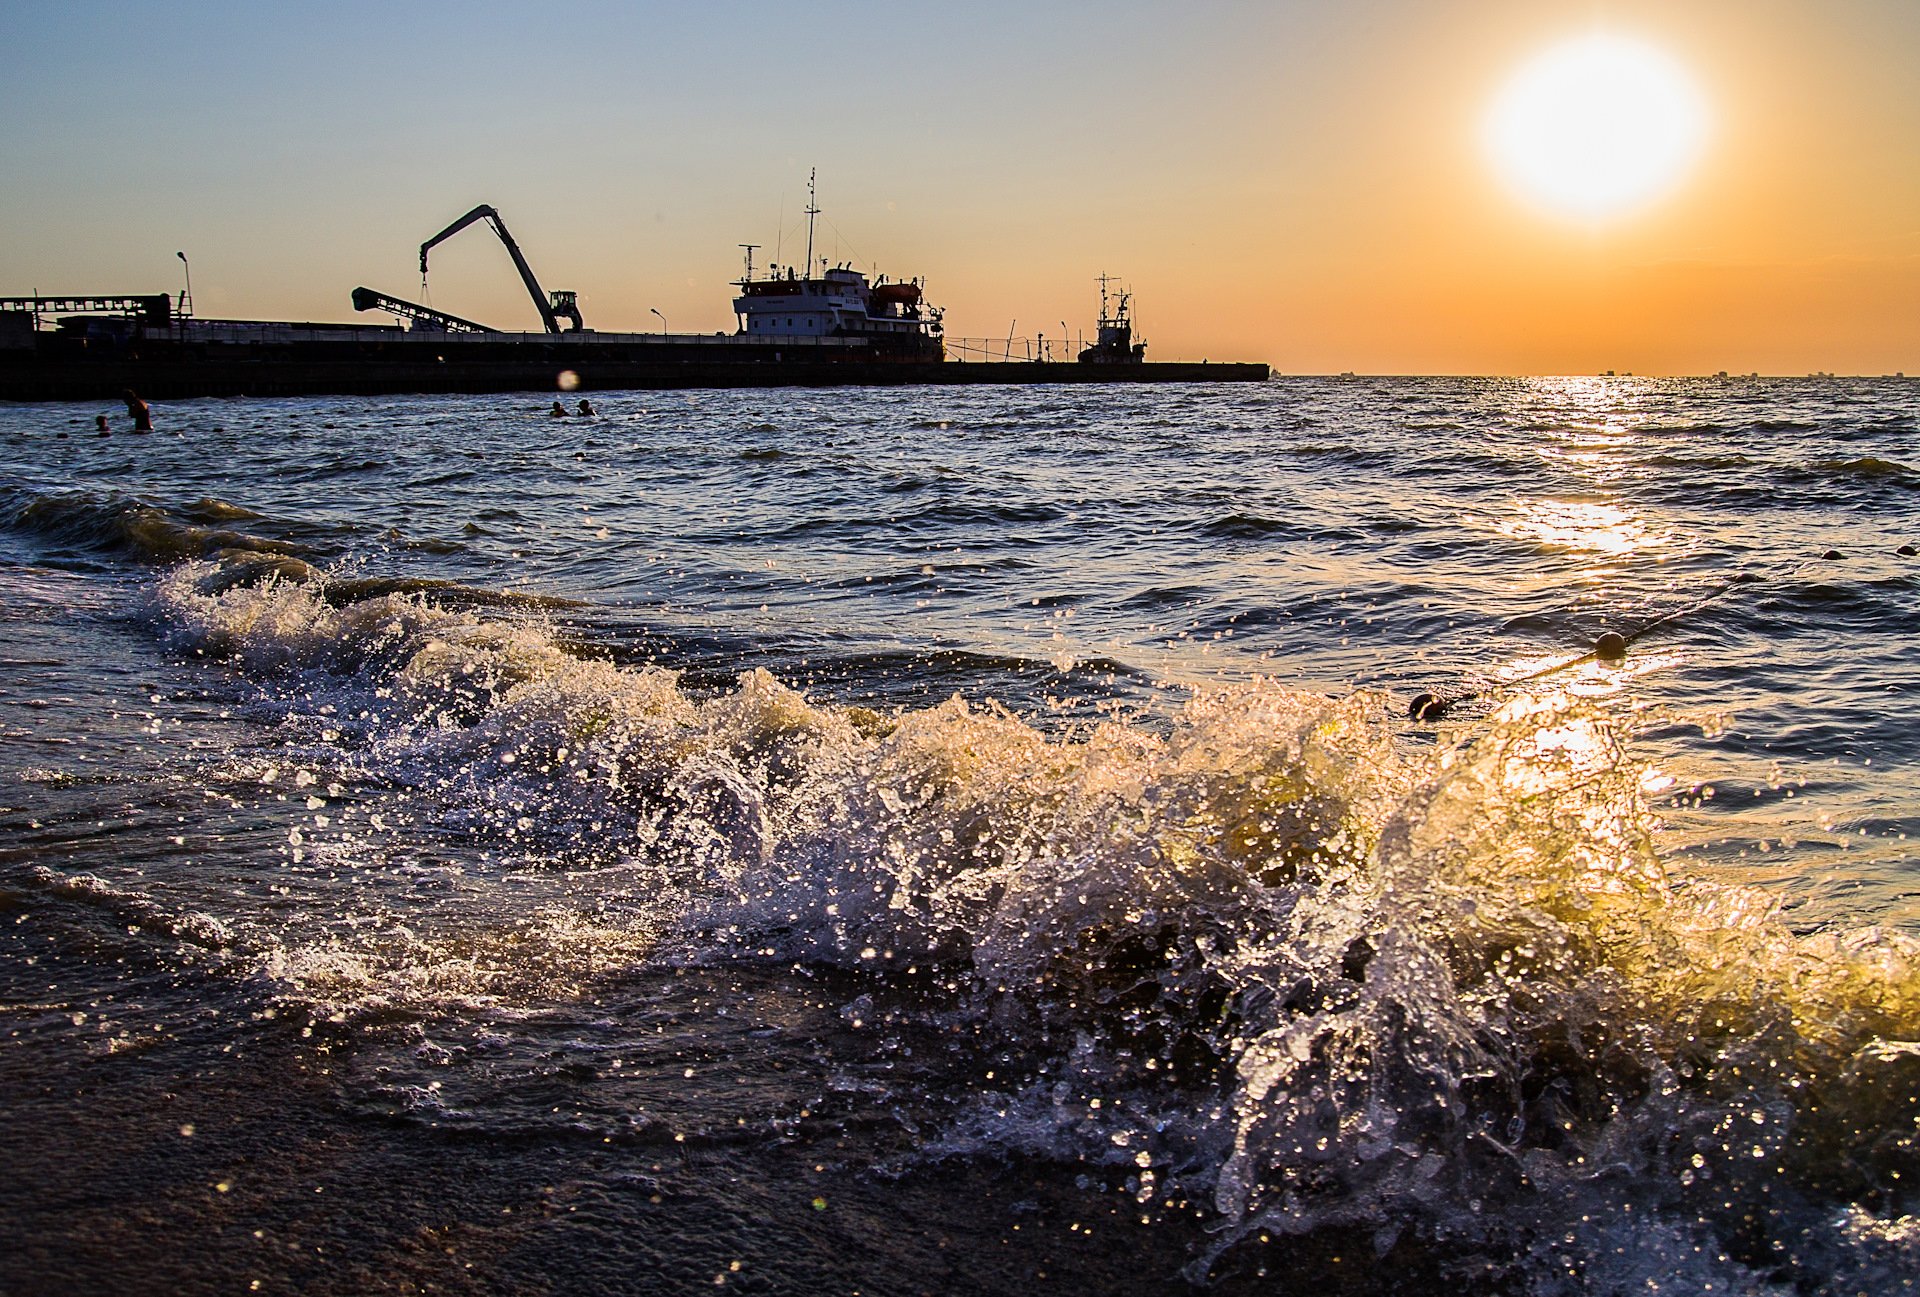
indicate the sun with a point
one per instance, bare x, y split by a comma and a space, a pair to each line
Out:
1596, 126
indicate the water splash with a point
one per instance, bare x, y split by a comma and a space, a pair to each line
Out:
1318, 978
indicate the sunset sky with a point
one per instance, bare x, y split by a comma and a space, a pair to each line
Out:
1306, 184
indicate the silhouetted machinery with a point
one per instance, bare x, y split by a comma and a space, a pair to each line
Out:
423, 318
560, 305
148, 308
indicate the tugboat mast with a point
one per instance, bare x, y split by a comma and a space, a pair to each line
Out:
812, 211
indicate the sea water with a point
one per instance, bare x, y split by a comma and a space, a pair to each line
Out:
966, 840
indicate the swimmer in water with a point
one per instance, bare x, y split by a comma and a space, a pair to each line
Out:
584, 407
142, 416
100, 423
559, 410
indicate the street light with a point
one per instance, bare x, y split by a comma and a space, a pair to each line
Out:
663, 322
186, 298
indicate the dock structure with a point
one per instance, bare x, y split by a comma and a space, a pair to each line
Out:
811, 325
346, 360
116, 343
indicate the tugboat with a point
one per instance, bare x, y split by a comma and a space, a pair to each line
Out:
1114, 345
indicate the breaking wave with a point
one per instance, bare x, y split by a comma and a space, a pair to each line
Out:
1269, 956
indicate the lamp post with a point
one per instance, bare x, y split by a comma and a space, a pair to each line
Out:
663, 322
186, 298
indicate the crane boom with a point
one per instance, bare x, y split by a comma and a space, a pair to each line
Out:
562, 304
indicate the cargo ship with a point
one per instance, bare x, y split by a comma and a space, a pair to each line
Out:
816, 324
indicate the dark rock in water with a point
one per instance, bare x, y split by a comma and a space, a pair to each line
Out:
1907, 550
1832, 554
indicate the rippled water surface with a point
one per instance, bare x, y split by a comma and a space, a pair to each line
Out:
966, 840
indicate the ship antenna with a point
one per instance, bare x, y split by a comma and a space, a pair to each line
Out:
812, 211
750, 247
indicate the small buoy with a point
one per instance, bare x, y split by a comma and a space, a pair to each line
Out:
1611, 647
1744, 578
1427, 707
1831, 554
1908, 550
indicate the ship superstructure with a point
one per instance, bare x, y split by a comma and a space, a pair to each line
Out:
1114, 345
795, 302
838, 303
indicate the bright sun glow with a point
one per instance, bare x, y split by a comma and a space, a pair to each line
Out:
1596, 126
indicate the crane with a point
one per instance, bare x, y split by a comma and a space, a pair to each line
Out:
562, 304
424, 318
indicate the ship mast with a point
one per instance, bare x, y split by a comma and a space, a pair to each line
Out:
812, 211
749, 247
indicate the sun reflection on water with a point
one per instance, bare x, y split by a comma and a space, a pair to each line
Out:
1581, 675
1582, 525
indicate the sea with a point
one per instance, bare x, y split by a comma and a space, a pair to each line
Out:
1333, 836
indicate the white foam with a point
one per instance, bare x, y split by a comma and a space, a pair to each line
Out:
1409, 975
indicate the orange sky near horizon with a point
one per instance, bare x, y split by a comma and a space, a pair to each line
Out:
1793, 245
1303, 184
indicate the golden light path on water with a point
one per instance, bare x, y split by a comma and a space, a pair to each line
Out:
1590, 439
1593, 439
1581, 524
